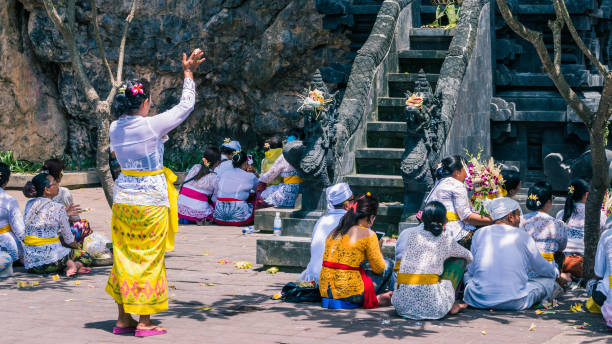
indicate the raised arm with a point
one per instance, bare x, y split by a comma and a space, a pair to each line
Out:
166, 121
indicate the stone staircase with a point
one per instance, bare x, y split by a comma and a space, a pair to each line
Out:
377, 164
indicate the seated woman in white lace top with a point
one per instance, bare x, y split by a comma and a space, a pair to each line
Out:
420, 292
549, 234
45, 221
194, 202
235, 188
11, 226
450, 190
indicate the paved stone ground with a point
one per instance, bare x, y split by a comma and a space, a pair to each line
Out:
241, 308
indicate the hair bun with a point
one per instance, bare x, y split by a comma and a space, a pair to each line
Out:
29, 190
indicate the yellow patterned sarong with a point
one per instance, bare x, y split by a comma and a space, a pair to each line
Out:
138, 277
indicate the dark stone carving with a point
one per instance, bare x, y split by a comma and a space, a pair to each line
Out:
559, 170
422, 144
314, 157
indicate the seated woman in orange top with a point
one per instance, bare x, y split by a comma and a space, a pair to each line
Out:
345, 280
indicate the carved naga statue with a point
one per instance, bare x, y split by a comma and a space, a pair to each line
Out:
314, 157
421, 142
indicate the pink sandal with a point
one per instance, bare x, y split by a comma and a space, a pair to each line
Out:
123, 330
151, 332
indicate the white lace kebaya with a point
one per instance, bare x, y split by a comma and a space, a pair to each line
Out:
138, 143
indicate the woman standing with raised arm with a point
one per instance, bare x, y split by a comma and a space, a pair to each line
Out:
145, 216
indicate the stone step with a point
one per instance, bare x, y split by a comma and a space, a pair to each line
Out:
539, 116
301, 224
534, 100
422, 54
535, 80
386, 188
386, 134
430, 61
391, 109
431, 38
294, 251
385, 161
364, 9
399, 83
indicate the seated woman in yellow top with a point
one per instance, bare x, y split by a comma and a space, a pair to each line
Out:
346, 281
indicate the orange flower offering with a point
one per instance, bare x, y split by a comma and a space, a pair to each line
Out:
415, 100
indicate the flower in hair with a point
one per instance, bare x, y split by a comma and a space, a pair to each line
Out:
227, 140
570, 190
368, 194
267, 145
122, 89
533, 197
137, 89
353, 207
205, 162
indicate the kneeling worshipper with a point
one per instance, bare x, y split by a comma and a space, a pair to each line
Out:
504, 255
345, 280
338, 198
145, 211
45, 221
421, 292
12, 231
451, 191
273, 150
285, 193
512, 183
236, 186
228, 149
80, 227
573, 215
601, 299
195, 197
550, 234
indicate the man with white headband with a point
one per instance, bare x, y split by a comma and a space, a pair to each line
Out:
503, 257
338, 198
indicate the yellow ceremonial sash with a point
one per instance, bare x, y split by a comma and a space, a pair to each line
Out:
5, 229
452, 216
396, 267
610, 279
292, 180
172, 199
548, 256
36, 241
417, 279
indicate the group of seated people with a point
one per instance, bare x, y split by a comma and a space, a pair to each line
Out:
48, 237
456, 257
226, 188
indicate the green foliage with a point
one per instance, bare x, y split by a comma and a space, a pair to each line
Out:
26, 166
183, 161
20, 166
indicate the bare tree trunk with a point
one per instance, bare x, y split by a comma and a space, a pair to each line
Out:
102, 158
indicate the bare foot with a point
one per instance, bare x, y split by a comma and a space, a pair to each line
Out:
71, 268
126, 322
457, 307
384, 299
566, 276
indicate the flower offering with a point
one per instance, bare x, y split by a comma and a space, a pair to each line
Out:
484, 181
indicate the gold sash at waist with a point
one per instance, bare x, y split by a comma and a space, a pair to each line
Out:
452, 216
417, 279
548, 256
5, 229
292, 180
35, 241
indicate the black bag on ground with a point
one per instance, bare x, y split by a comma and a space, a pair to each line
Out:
293, 293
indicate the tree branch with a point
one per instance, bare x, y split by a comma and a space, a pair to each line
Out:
126, 26
96, 29
560, 4
537, 40
556, 27
55, 18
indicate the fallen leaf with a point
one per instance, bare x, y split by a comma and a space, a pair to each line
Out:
276, 296
77, 282
538, 311
243, 265
532, 327
172, 287
484, 333
205, 308
210, 284
34, 283
576, 308
272, 270
68, 300
55, 277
